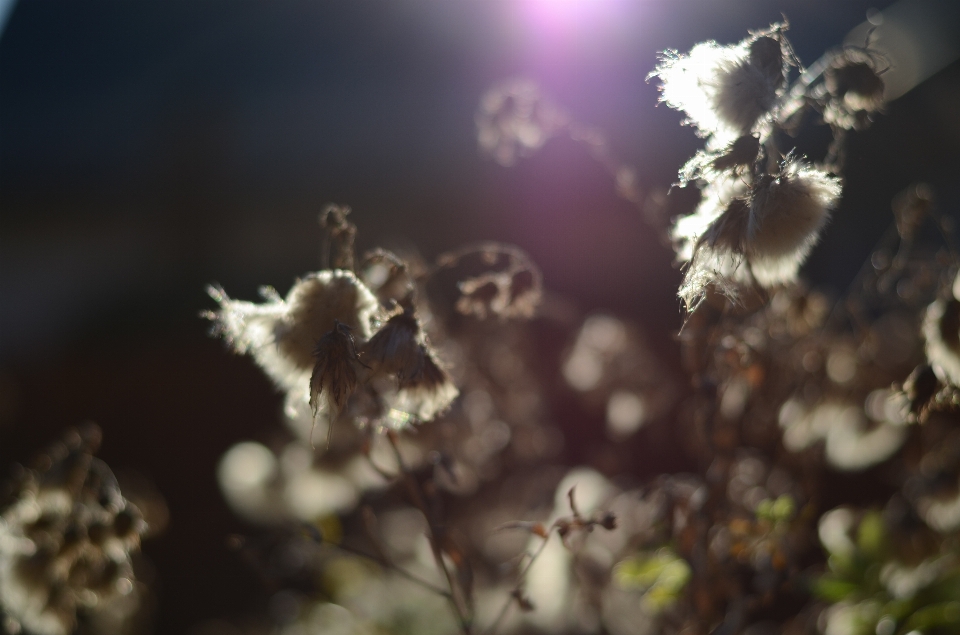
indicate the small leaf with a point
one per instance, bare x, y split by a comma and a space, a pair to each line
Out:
872, 535
833, 589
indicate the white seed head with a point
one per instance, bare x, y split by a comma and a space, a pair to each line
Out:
787, 212
725, 91
282, 335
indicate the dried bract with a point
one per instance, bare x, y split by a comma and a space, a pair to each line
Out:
918, 390
396, 348
341, 235
335, 371
399, 350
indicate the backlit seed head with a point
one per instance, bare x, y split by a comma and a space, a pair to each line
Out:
771, 226
787, 212
725, 90
282, 334
855, 87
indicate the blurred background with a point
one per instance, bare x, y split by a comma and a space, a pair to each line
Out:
148, 149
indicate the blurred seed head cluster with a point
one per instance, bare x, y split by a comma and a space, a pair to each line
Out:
67, 542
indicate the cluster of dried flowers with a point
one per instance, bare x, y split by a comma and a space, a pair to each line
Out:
793, 395
465, 525
763, 206
825, 433
66, 539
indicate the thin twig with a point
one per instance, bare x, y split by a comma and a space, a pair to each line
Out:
521, 577
413, 488
387, 564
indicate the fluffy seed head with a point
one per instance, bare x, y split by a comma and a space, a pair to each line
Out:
282, 335
787, 212
772, 225
725, 90
316, 304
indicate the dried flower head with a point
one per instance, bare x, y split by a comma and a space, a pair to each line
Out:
65, 542
282, 335
494, 280
771, 226
726, 91
514, 120
707, 166
855, 87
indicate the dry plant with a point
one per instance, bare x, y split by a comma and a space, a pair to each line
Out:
418, 487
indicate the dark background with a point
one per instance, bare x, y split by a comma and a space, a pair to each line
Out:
149, 148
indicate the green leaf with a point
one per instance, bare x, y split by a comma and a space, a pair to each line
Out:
784, 508
833, 589
872, 535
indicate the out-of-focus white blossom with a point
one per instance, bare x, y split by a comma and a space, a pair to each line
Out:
515, 120
550, 580
851, 443
941, 512
245, 474
904, 582
270, 488
941, 329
